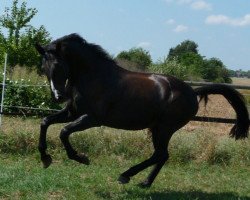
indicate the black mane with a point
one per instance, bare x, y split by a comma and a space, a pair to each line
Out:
96, 51
74, 37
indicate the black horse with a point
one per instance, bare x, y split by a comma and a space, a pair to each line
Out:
99, 92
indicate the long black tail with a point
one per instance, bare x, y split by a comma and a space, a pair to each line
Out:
240, 129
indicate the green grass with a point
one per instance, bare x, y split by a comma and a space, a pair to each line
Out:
23, 178
201, 165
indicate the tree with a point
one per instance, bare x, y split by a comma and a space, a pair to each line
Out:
1, 46
214, 70
186, 53
186, 46
138, 57
194, 63
21, 36
232, 73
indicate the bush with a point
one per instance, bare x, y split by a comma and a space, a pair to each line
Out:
174, 68
139, 58
17, 93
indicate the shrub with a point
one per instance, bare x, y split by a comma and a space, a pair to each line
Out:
17, 93
138, 57
174, 68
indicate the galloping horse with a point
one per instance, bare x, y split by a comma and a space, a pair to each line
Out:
99, 92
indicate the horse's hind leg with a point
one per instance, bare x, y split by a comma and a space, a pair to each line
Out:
160, 137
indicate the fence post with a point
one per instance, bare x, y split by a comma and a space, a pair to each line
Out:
3, 87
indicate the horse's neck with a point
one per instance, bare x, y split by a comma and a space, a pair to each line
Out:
108, 70
102, 73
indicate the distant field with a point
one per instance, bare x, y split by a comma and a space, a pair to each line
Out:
241, 81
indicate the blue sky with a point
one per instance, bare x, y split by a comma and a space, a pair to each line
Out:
221, 28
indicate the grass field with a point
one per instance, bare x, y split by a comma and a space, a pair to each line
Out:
203, 165
23, 178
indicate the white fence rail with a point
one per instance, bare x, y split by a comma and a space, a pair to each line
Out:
3, 86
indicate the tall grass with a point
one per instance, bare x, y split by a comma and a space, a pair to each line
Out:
202, 165
29, 75
196, 146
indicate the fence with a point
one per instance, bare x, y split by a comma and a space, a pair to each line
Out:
33, 111
191, 83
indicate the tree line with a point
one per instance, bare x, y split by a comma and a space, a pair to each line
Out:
183, 61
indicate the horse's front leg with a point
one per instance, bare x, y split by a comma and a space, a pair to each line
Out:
82, 123
59, 117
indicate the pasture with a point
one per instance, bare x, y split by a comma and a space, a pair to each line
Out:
203, 164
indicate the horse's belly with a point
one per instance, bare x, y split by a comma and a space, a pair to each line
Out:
131, 119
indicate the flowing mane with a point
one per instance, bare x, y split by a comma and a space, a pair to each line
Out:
93, 50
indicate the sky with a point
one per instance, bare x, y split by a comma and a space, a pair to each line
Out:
221, 28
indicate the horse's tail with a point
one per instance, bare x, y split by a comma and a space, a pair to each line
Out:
237, 101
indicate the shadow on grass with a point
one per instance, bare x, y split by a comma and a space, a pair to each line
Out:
172, 195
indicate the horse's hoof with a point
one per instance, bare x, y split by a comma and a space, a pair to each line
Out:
123, 179
145, 184
82, 158
47, 160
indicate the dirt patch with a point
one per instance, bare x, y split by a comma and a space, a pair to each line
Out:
217, 106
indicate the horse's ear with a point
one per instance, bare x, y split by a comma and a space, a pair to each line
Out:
40, 49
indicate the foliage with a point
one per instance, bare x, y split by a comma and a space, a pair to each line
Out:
195, 65
19, 42
139, 56
186, 46
193, 62
239, 73
17, 93
171, 67
214, 70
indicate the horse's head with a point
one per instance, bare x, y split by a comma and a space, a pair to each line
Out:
56, 70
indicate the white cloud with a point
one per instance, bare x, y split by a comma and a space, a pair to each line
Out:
201, 5
223, 19
170, 21
181, 28
168, 1
194, 4
144, 44
181, 2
